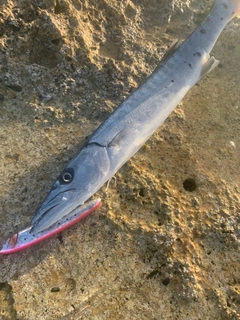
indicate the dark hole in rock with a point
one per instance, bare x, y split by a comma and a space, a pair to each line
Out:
15, 88
142, 192
166, 281
3, 285
152, 274
55, 289
189, 184
60, 8
56, 41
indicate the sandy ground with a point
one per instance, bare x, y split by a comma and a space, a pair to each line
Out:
164, 245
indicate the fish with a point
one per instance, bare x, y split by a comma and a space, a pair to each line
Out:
123, 133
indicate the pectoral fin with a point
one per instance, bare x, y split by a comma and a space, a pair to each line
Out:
208, 65
120, 138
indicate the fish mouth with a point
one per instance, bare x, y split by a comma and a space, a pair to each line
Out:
62, 205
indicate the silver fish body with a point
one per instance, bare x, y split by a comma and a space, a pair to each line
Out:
134, 121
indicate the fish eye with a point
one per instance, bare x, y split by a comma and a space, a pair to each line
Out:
67, 177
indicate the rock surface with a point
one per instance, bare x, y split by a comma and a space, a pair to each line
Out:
164, 245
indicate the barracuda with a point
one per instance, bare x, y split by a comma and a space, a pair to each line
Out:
126, 130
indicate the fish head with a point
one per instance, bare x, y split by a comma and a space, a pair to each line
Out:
83, 176
65, 195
